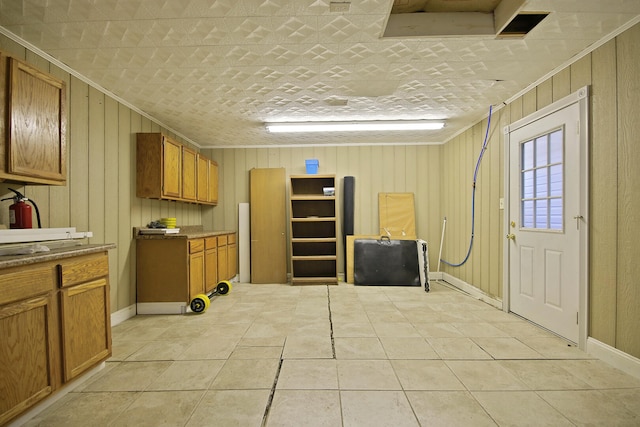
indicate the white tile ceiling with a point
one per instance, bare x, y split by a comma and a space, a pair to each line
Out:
215, 70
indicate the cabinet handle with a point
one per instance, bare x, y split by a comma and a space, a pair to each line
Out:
59, 272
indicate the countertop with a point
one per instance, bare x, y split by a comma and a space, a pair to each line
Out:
186, 232
67, 251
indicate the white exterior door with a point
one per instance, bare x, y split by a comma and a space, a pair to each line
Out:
544, 221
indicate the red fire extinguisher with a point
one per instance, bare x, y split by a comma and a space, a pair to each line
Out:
20, 212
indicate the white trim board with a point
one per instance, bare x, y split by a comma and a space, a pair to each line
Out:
161, 308
122, 315
472, 290
614, 357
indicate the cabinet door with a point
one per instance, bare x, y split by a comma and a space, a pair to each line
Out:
232, 261
86, 327
223, 263
232, 256
213, 182
26, 354
36, 132
189, 174
196, 274
171, 169
211, 264
203, 179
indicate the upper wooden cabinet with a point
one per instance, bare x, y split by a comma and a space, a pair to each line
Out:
33, 137
202, 164
189, 174
213, 182
169, 170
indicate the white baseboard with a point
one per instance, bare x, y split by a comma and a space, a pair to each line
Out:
161, 308
437, 275
122, 315
471, 290
616, 358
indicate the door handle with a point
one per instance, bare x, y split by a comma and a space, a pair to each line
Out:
511, 236
578, 218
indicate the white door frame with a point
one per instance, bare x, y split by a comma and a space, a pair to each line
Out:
581, 96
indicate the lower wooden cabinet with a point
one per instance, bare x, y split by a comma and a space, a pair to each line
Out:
223, 260
232, 256
210, 263
175, 269
28, 354
85, 313
196, 267
54, 325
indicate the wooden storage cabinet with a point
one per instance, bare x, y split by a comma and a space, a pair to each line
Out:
27, 354
54, 325
159, 167
223, 259
168, 170
213, 183
313, 230
189, 174
85, 313
202, 164
232, 256
268, 201
196, 267
210, 263
33, 141
175, 270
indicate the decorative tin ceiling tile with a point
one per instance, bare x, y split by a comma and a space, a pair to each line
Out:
214, 70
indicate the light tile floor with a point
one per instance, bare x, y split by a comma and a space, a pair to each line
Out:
277, 355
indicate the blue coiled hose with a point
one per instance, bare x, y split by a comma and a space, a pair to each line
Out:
473, 194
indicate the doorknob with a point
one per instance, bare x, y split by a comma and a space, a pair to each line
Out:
511, 236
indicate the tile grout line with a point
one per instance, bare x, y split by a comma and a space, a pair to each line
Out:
267, 409
333, 343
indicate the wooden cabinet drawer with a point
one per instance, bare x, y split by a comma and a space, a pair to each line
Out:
25, 282
83, 269
210, 243
196, 245
222, 240
231, 238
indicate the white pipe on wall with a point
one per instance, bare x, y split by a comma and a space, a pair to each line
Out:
444, 225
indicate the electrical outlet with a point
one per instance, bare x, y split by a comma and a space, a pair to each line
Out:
339, 7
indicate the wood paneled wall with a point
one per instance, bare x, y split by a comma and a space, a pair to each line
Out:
389, 168
613, 73
100, 194
100, 191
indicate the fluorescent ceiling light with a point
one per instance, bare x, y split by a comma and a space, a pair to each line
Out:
379, 125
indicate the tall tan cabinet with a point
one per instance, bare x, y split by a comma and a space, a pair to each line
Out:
268, 225
313, 229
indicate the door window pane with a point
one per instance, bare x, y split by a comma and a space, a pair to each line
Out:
541, 151
542, 213
555, 214
527, 184
555, 181
527, 213
555, 147
542, 182
527, 155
